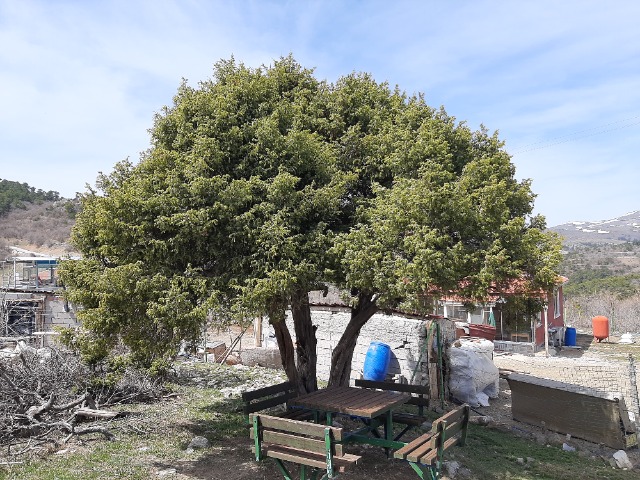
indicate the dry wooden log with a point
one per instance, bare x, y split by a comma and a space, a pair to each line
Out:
35, 411
70, 405
92, 413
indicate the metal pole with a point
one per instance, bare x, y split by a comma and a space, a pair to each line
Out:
546, 332
634, 390
440, 365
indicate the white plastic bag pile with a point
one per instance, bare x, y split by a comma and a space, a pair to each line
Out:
473, 378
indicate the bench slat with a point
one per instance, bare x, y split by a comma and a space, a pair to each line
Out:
408, 418
310, 459
420, 451
452, 416
295, 441
397, 387
410, 447
296, 414
267, 403
433, 454
424, 449
453, 428
267, 391
299, 442
297, 426
419, 401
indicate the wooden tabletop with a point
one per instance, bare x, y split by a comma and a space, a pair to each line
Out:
360, 402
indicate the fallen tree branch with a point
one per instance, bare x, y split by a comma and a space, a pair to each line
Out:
70, 405
91, 413
49, 399
36, 411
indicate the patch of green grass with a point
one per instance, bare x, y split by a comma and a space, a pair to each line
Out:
214, 416
493, 454
107, 460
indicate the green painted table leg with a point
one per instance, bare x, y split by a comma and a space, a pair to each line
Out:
388, 430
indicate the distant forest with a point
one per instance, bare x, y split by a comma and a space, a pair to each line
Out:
612, 268
16, 194
604, 279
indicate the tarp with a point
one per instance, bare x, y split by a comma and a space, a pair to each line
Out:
492, 320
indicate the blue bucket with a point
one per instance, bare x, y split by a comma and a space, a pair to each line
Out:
570, 337
376, 362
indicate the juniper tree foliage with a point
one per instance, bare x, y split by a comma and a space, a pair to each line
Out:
438, 210
231, 204
264, 184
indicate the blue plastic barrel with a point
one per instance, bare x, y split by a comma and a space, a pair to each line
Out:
570, 337
376, 362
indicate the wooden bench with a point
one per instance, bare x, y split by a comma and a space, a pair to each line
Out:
303, 443
428, 449
419, 399
273, 396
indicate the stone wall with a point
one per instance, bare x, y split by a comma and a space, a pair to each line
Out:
524, 348
57, 313
405, 335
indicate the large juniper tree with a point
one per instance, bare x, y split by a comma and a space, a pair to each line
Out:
264, 184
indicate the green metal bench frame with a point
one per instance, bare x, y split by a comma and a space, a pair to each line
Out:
425, 453
316, 448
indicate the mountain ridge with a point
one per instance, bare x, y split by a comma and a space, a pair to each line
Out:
621, 229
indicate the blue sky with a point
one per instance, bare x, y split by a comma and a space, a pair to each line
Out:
80, 80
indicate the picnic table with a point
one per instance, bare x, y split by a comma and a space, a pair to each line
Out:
321, 447
374, 407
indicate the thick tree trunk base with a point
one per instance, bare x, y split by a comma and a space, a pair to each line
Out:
285, 345
306, 343
343, 353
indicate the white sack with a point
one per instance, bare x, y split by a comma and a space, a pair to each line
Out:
473, 377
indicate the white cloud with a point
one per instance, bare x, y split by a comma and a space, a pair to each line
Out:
80, 81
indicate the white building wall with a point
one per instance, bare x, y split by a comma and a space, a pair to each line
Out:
404, 335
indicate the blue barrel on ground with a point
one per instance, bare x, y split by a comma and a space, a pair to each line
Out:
376, 362
570, 337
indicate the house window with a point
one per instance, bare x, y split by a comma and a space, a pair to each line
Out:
458, 312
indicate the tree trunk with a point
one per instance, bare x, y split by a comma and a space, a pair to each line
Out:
306, 342
343, 353
285, 345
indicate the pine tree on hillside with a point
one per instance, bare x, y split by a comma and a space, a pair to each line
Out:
15, 194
